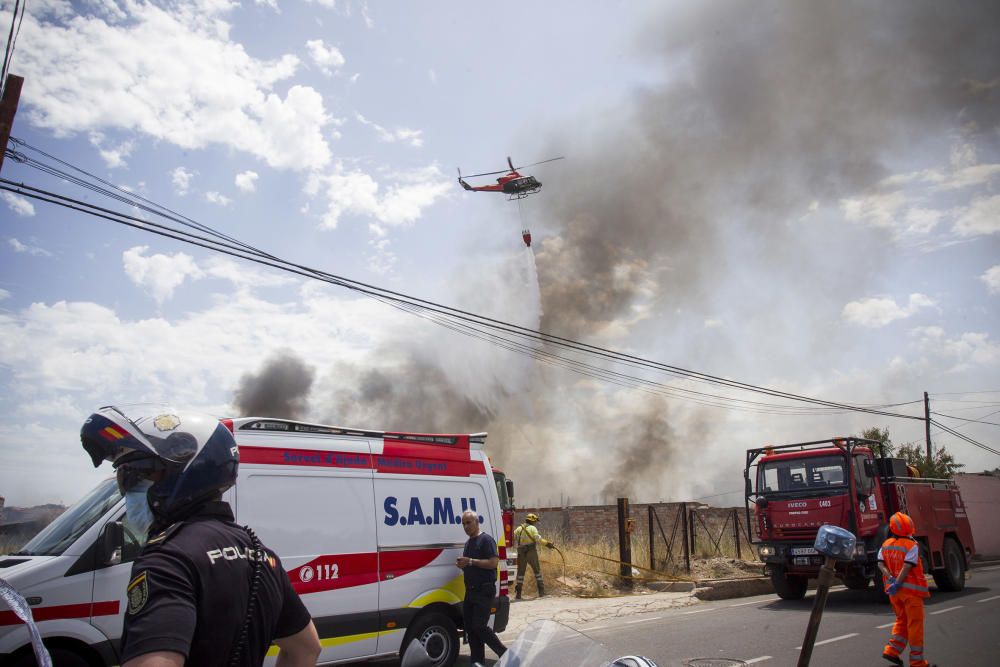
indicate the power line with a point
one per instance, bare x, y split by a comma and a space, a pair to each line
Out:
470, 323
436, 311
8, 56
962, 436
964, 419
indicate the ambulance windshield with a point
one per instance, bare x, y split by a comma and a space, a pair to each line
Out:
74, 522
811, 473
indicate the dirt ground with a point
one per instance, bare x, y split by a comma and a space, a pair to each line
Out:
579, 580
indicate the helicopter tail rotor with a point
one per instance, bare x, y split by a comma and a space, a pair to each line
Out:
462, 182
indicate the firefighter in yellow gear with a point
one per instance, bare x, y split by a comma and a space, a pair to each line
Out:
903, 577
527, 538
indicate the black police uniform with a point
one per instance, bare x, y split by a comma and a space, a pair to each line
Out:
190, 588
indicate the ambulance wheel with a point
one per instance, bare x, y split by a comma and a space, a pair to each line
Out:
952, 576
439, 637
788, 587
61, 657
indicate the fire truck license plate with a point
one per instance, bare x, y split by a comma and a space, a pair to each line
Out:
804, 551
801, 560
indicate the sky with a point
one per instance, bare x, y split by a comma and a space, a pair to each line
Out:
797, 195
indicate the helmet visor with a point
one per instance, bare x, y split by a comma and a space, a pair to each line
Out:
130, 473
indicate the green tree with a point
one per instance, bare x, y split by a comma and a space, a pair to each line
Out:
941, 466
882, 435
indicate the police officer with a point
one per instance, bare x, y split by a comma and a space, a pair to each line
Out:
527, 538
204, 591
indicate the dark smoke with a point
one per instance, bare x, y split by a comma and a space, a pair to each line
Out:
280, 389
758, 111
414, 396
646, 447
764, 108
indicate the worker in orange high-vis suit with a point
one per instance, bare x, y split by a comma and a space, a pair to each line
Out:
903, 576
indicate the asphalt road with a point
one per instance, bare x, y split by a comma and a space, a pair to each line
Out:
961, 629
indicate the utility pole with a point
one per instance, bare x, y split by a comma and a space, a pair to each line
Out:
927, 429
8, 108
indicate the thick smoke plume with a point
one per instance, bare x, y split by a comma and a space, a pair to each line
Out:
763, 109
280, 389
758, 113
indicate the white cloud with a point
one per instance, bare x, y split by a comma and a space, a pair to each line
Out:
125, 72
113, 155
876, 210
878, 312
355, 192
433, 76
4, 294
992, 279
962, 352
158, 275
712, 323
247, 181
922, 220
34, 251
181, 178
273, 4
403, 134
981, 217
327, 58
216, 198
63, 359
18, 204
245, 274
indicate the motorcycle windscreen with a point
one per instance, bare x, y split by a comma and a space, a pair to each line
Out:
551, 644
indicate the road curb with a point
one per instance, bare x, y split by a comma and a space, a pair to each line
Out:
723, 589
984, 563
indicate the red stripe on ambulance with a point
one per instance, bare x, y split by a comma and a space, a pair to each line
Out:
62, 611
397, 457
329, 572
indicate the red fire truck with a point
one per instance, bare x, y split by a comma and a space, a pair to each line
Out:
847, 482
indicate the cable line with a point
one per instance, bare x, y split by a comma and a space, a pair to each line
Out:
465, 322
252, 254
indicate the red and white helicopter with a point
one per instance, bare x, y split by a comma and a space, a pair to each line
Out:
512, 183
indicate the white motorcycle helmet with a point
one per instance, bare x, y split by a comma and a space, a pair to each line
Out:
632, 661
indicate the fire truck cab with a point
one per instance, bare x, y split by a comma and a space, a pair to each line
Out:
847, 482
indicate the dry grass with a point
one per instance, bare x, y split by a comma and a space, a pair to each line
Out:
588, 571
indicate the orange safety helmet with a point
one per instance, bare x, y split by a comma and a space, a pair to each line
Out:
901, 524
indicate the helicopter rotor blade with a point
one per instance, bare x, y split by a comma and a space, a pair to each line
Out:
489, 173
533, 164
510, 163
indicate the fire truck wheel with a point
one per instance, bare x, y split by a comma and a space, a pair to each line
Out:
856, 581
438, 635
788, 588
952, 576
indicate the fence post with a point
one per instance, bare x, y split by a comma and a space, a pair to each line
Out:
624, 543
684, 525
652, 557
694, 531
736, 533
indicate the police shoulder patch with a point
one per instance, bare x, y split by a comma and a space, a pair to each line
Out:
138, 593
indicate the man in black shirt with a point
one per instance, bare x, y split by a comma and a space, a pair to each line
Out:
204, 591
479, 568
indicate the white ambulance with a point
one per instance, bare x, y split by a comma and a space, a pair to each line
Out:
367, 524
